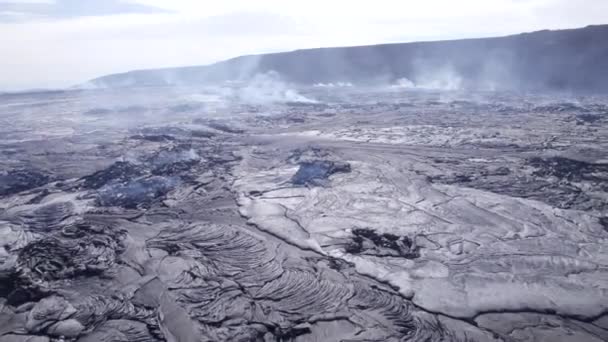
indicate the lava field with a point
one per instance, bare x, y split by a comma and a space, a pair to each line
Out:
350, 214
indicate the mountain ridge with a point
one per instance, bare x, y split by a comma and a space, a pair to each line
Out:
570, 59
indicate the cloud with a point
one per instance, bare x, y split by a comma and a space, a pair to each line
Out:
58, 9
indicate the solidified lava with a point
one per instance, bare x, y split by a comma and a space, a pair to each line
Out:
115, 173
588, 118
315, 172
15, 181
570, 169
153, 138
136, 193
367, 241
220, 126
191, 231
604, 223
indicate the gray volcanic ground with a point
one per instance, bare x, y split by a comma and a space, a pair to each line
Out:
328, 213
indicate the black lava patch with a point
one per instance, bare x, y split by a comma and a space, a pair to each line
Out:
316, 172
569, 169
137, 193
604, 223
116, 173
16, 181
98, 112
153, 138
173, 161
588, 118
220, 126
368, 242
185, 107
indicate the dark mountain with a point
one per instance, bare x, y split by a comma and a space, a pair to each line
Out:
575, 59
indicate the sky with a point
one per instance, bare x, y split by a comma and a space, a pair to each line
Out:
60, 43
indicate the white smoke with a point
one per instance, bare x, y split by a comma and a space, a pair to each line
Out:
334, 85
404, 82
442, 78
268, 88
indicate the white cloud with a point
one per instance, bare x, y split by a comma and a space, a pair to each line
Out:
28, 1
64, 52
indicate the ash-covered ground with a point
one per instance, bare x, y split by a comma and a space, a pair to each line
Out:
322, 214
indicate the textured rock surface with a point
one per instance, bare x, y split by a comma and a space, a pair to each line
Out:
368, 215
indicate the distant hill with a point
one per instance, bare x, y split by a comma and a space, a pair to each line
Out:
575, 59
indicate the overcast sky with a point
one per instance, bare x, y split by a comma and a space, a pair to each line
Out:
57, 43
